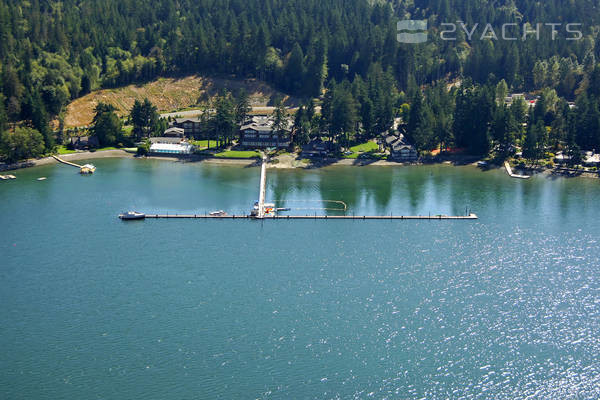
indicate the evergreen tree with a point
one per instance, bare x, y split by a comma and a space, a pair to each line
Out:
344, 113
302, 126
107, 126
534, 141
280, 120
420, 124
145, 119
39, 121
223, 121
294, 70
242, 107
3, 116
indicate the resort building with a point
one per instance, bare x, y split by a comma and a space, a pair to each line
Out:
258, 132
172, 142
192, 127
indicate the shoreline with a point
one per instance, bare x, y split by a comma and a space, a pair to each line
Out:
84, 155
281, 162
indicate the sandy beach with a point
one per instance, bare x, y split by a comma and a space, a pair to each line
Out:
285, 161
84, 155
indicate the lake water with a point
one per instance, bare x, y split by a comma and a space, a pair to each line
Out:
507, 306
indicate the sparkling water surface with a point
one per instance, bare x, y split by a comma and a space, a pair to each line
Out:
505, 307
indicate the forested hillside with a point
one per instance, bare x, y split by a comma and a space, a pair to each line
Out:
52, 52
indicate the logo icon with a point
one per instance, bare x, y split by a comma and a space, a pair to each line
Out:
412, 31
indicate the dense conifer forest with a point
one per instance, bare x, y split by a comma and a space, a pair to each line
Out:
345, 53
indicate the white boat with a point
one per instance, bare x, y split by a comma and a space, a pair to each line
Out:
132, 215
43, 178
218, 213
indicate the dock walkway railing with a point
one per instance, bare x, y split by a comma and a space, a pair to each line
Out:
334, 217
67, 162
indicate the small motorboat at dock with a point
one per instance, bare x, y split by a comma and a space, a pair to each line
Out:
87, 169
218, 213
129, 215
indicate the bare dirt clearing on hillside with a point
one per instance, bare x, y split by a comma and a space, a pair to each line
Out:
170, 94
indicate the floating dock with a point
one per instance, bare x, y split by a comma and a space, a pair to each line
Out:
354, 217
260, 211
83, 169
512, 174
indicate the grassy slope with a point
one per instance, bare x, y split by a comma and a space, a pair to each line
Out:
170, 94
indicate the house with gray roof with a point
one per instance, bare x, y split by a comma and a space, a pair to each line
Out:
258, 132
400, 149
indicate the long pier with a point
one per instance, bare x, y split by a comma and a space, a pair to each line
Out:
263, 188
353, 217
67, 162
260, 213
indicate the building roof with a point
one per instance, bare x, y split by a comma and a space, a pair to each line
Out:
165, 139
317, 145
262, 123
188, 119
592, 159
398, 143
258, 128
174, 131
389, 139
403, 146
85, 141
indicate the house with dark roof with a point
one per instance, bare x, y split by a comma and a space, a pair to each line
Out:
192, 126
317, 148
84, 142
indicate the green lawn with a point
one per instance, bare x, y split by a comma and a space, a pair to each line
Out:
352, 156
64, 150
238, 154
203, 144
365, 147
